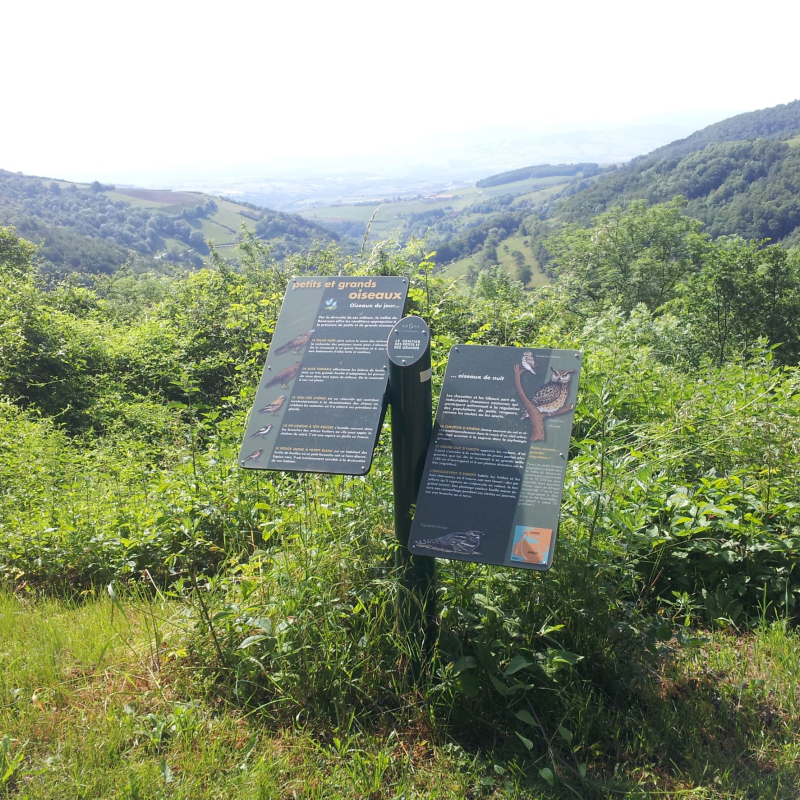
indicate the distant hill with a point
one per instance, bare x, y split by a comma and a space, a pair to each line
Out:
96, 228
777, 122
740, 176
540, 171
749, 187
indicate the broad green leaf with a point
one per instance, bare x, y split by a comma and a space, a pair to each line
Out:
464, 663
564, 657
516, 664
547, 774
525, 716
252, 640
469, 684
527, 742
504, 690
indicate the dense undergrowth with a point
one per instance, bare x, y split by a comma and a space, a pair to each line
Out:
119, 430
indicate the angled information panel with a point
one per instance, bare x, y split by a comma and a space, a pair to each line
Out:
494, 475
319, 402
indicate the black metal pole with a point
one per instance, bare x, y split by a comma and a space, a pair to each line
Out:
411, 402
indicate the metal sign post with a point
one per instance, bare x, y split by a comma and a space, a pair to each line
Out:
410, 398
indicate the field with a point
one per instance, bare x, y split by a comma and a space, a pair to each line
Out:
221, 227
95, 702
505, 257
152, 198
391, 217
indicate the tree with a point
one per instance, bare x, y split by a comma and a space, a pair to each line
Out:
630, 256
743, 292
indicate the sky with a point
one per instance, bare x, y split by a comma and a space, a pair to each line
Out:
115, 91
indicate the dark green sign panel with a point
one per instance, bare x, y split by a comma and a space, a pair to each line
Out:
494, 474
319, 402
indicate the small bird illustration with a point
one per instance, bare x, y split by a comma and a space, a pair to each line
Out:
284, 376
463, 542
262, 431
254, 456
296, 345
274, 406
553, 395
529, 362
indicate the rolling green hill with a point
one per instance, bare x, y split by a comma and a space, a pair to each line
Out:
95, 228
740, 176
767, 123
465, 226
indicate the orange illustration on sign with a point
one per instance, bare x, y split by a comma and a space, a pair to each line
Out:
533, 545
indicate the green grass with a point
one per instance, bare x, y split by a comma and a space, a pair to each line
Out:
97, 703
93, 703
524, 187
392, 214
459, 269
222, 227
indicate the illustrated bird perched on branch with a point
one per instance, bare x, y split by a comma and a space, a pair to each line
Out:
284, 376
553, 395
296, 345
254, 456
529, 362
274, 406
262, 432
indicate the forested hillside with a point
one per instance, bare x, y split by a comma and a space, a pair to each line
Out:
749, 188
777, 122
96, 228
741, 177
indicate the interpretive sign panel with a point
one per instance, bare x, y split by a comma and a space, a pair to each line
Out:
494, 475
319, 402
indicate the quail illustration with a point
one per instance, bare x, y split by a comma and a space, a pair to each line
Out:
274, 406
254, 456
463, 542
262, 432
284, 376
529, 362
553, 395
296, 345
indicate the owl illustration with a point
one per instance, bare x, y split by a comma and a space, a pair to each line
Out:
553, 395
529, 362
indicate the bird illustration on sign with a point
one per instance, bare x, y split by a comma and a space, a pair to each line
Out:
274, 407
463, 542
262, 432
296, 344
547, 401
529, 362
284, 376
254, 456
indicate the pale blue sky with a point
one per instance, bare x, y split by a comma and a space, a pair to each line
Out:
99, 88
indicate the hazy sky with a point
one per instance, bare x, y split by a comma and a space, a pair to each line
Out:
99, 89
